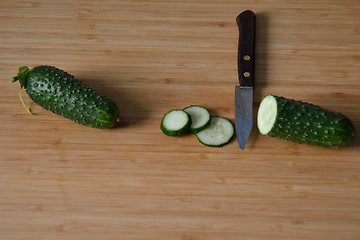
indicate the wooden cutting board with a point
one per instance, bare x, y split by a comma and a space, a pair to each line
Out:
60, 180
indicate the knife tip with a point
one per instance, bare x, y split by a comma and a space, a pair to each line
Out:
242, 147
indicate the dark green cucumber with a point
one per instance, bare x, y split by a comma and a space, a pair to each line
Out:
303, 122
58, 91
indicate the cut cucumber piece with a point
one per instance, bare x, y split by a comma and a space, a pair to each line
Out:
200, 117
175, 123
217, 134
304, 123
267, 114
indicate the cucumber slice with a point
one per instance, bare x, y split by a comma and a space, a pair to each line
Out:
200, 117
175, 123
217, 134
302, 122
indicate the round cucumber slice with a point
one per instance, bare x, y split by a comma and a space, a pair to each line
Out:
200, 117
175, 123
217, 134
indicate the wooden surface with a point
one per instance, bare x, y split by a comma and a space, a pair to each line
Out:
60, 180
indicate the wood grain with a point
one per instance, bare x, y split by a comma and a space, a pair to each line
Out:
60, 180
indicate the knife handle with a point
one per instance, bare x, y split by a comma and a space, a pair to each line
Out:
246, 48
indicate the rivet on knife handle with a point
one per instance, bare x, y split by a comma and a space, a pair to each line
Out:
246, 48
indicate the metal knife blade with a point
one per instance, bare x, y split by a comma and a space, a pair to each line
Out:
243, 114
244, 91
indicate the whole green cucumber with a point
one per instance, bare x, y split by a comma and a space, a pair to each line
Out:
63, 94
303, 122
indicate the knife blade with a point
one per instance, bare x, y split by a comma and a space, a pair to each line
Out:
244, 91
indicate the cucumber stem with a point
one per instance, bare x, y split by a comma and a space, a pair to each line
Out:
14, 79
21, 76
28, 108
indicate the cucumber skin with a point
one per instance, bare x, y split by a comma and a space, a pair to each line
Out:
306, 123
60, 92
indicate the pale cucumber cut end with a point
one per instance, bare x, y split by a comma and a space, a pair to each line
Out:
175, 120
217, 134
200, 117
267, 114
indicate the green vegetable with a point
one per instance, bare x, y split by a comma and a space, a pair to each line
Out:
210, 131
217, 134
302, 122
175, 123
58, 91
200, 117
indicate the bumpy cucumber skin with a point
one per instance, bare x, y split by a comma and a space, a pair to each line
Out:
306, 123
186, 129
58, 91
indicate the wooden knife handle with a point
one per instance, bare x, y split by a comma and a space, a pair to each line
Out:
246, 48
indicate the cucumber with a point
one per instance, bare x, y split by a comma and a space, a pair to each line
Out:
217, 134
200, 117
175, 123
303, 122
61, 93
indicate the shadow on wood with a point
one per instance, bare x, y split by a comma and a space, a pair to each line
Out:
132, 107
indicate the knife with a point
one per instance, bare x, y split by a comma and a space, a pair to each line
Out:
244, 91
